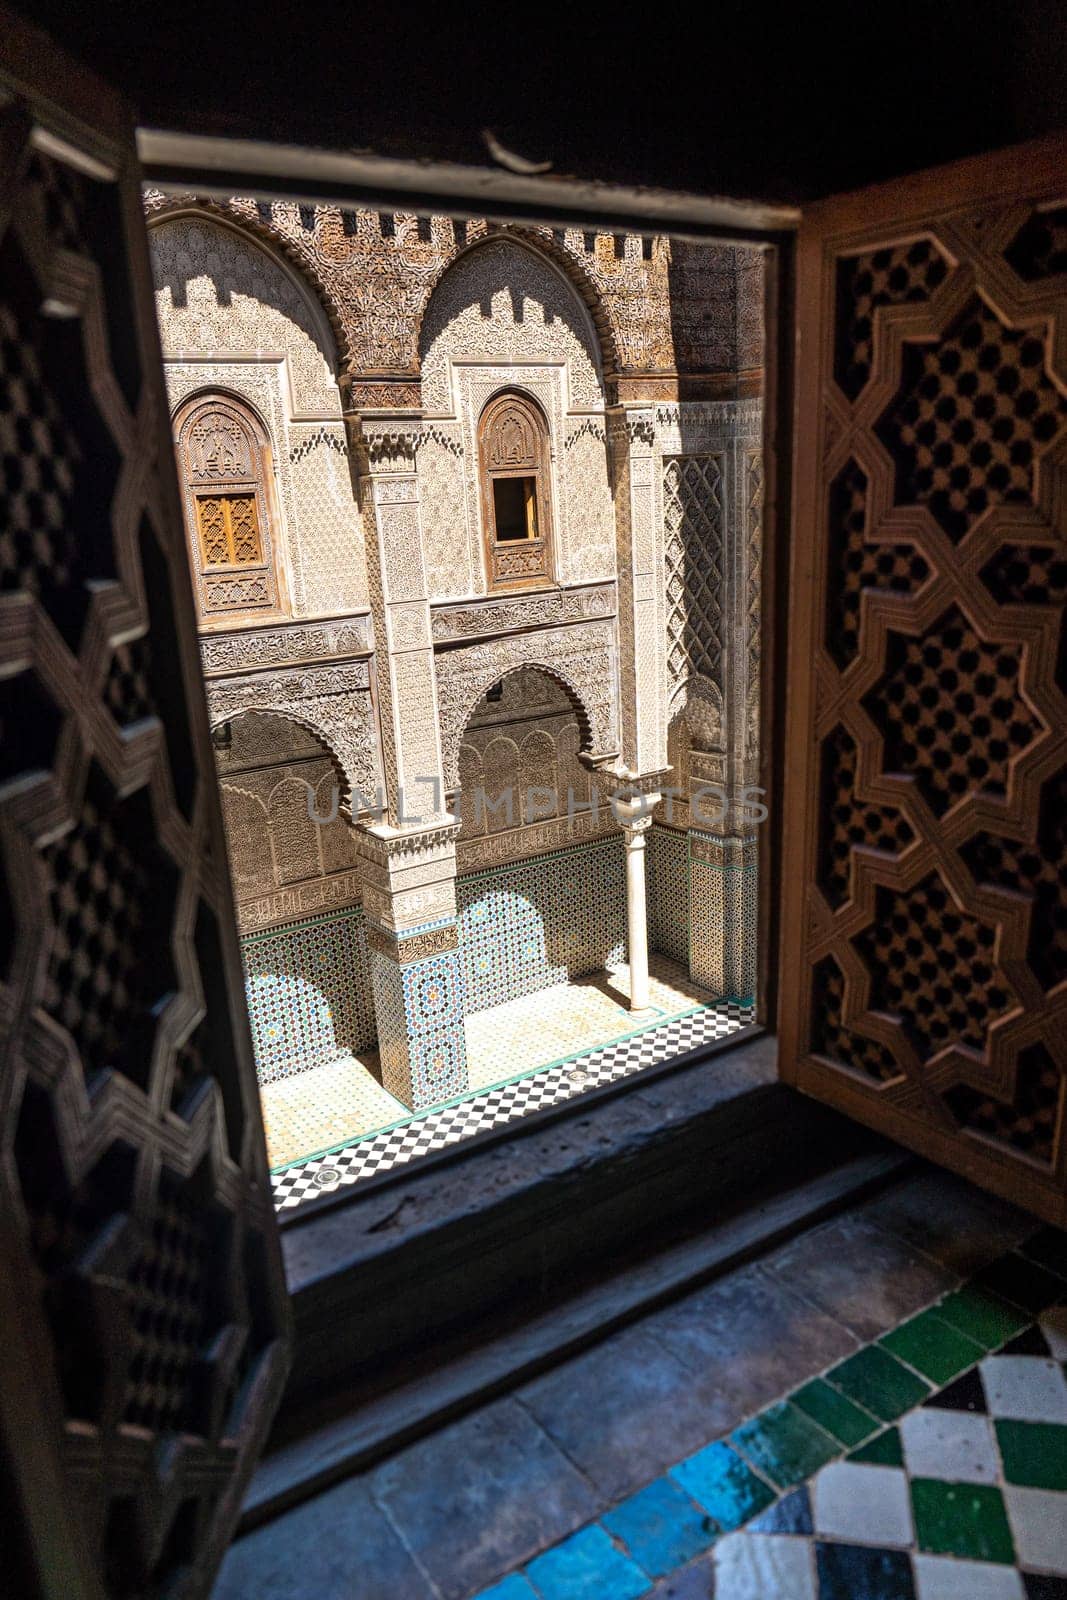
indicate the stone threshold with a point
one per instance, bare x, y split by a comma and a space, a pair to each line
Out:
420, 1301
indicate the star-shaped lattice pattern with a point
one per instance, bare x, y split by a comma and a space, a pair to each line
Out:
973, 414
951, 710
933, 966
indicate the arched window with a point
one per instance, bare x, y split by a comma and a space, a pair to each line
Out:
516, 506
224, 463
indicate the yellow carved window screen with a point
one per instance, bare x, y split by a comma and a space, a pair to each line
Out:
224, 457
228, 525
513, 446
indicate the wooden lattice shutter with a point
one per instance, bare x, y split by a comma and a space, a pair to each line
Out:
145, 1321
924, 957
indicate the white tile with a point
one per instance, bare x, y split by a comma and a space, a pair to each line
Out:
955, 1446
1038, 1520
945, 1578
763, 1566
1053, 1324
864, 1504
1028, 1388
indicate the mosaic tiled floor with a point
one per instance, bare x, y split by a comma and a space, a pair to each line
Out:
536, 1051
930, 1464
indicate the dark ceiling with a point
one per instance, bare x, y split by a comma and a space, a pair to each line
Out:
774, 102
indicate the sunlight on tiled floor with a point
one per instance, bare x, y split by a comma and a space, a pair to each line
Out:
320, 1108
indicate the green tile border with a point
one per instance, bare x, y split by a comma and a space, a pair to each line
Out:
965, 1520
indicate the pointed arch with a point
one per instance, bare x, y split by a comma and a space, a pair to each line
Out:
256, 231
555, 255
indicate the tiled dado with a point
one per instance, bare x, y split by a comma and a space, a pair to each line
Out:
308, 991
668, 892
723, 914
541, 921
419, 989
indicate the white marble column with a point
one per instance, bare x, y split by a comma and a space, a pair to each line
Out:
635, 818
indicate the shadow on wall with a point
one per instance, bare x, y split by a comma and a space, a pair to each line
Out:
309, 996
541, 922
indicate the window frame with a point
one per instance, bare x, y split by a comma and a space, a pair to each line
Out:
497, 550
260, 482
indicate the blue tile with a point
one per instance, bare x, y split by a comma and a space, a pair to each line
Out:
718, 1478
513, 1588
587, 1566
792, 1514
661, 1527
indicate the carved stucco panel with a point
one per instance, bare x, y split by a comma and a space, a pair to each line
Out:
262, 307
583, 657
334, 702
502, 304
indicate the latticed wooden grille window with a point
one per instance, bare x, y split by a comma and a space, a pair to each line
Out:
228, 525
516, 515
224, 455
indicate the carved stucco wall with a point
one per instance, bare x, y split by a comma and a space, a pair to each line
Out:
524, 742
582, 657
233, 316
272, 770
505, 316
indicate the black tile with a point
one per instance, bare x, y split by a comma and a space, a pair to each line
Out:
318, 1548
1031, 1342
1023, 1282
965, 1393
791, 1515
751, 1337
482, 1497
1043, 1586
860, 1572
863, 1277
1048, 1247
627, 1409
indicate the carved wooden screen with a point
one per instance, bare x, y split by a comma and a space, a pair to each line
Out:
516, 509
145, 1323
223, 458
925, 854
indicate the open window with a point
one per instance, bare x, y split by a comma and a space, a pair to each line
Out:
224, 465
513, 446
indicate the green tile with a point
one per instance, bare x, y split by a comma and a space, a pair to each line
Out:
933, 1347
884, 1451
982, 1316
961, 1519
784, 1444
838, 1416
1034, 1453
877, 1381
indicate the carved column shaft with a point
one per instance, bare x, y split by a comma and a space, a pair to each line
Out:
409, 861
639, 541
406, 680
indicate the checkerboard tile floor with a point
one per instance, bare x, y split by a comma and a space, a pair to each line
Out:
511, 1042
929, 1465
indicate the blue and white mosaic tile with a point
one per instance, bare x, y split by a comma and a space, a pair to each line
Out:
536, 923
492, 1108
308, 989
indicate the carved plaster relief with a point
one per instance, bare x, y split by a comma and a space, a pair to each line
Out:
582, 657
501, 615
334, 702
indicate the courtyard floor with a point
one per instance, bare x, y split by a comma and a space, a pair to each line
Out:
532, 1051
